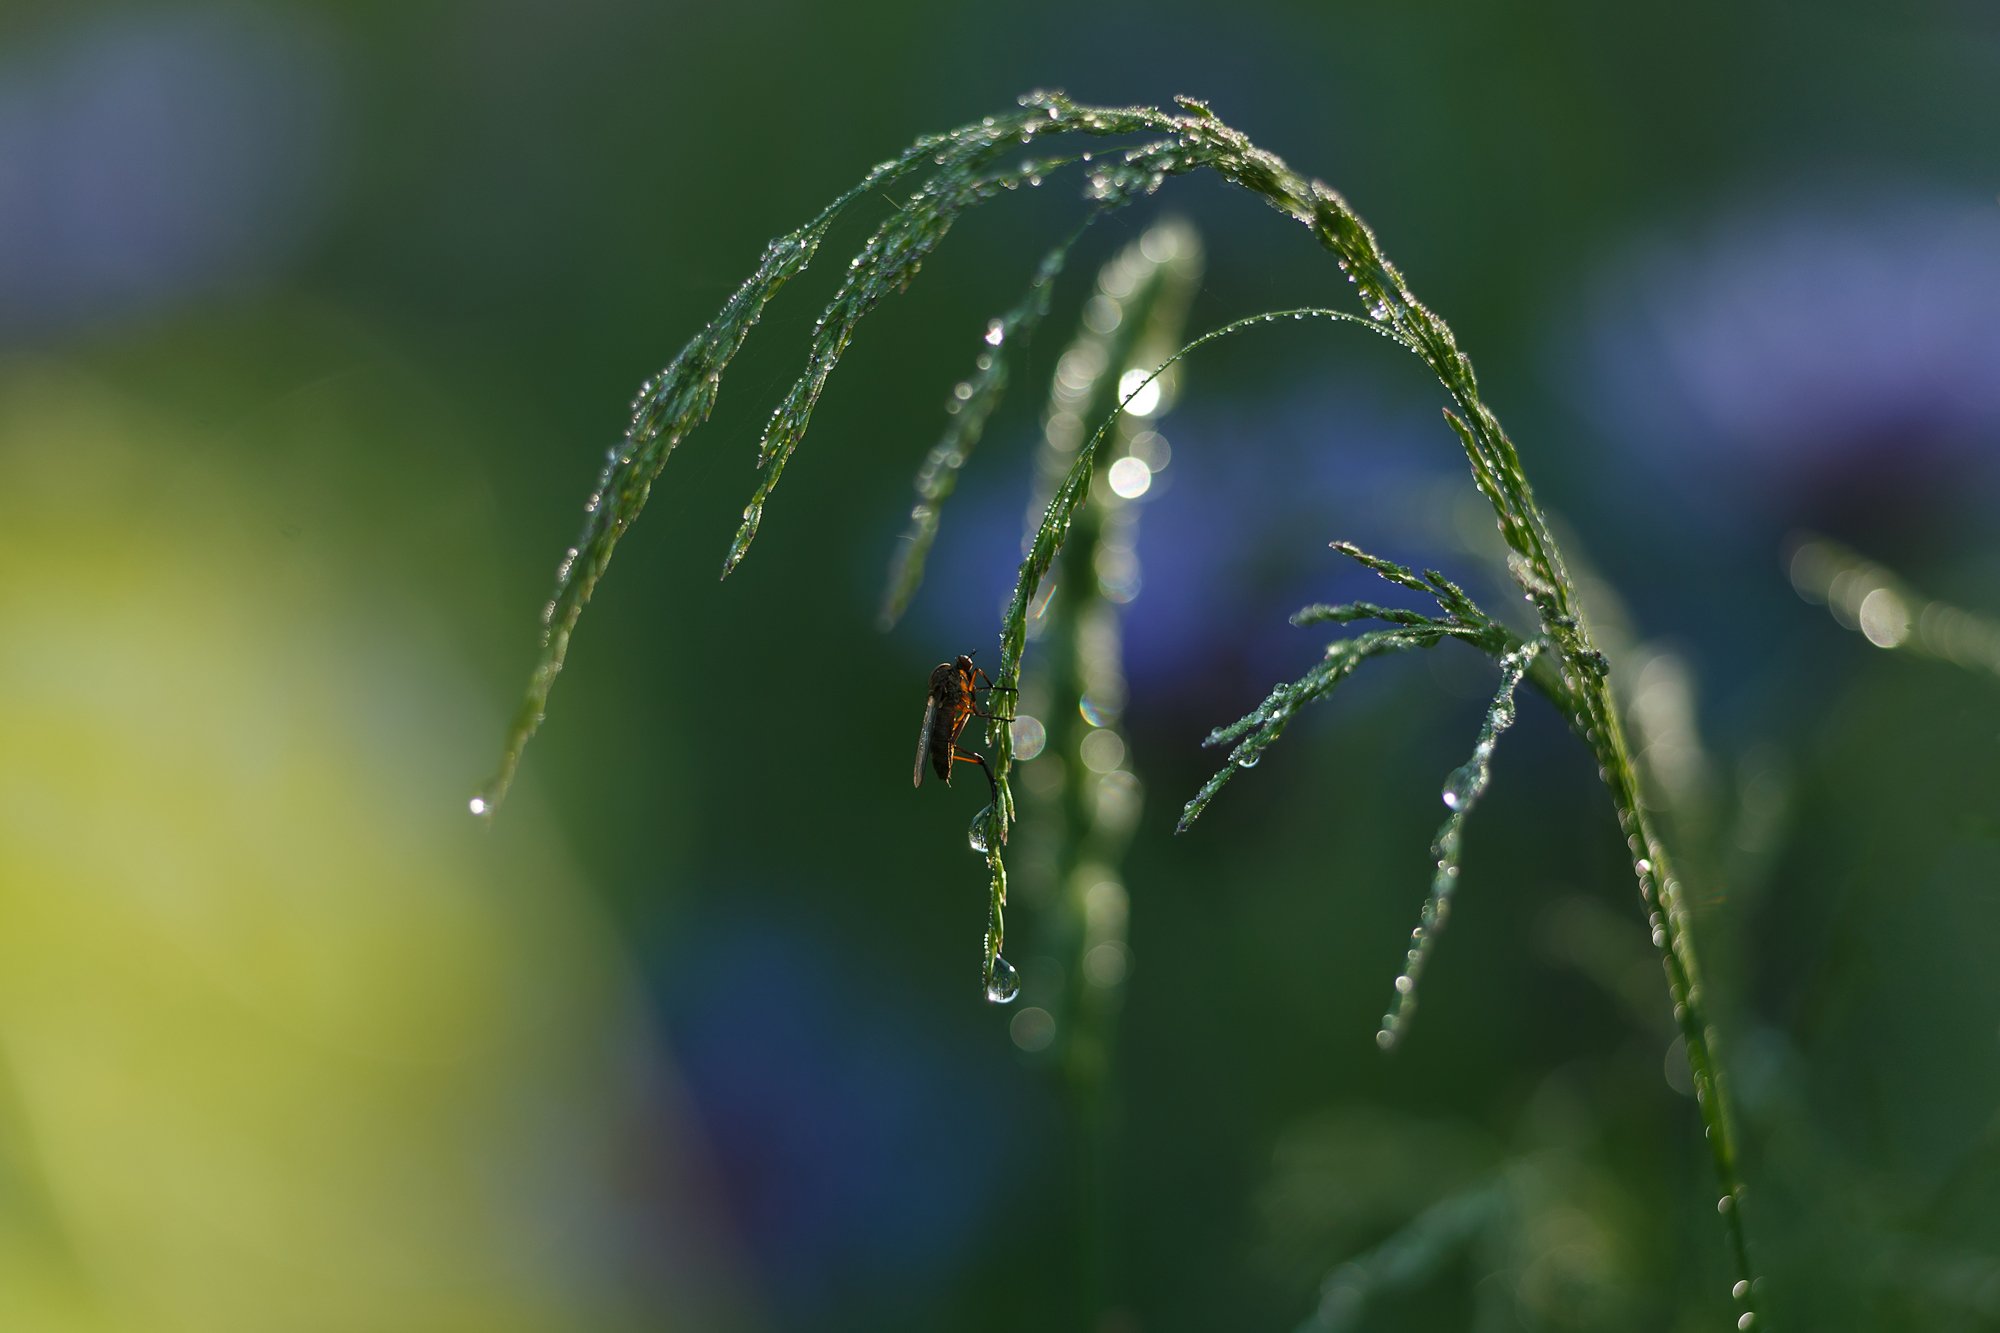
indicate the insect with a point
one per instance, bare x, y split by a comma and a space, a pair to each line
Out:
955, 687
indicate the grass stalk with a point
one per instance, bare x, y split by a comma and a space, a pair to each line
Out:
1084, 798
967, 167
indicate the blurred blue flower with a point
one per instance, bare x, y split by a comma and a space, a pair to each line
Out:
149, 157
859, 1151
1236, 540
1832, 363
1232, 536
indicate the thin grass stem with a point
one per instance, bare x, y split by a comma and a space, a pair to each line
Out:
967, 167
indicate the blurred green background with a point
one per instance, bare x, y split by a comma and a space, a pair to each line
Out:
315, 321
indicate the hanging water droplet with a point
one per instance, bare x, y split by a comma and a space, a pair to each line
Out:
1249, 758
975, 836
1461, 787
480, 806
1003, 983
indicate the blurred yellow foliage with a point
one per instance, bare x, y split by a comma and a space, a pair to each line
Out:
287, 1040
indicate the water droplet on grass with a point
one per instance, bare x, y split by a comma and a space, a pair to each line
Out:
1461, 787
1003, 983
975, 836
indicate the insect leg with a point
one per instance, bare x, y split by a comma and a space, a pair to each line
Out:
963, 756
989, 685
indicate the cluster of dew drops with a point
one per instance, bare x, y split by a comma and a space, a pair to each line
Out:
1003, 980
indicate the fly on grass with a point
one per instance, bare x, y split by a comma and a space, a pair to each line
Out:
953, 703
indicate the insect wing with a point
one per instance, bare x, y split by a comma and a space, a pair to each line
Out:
924, 740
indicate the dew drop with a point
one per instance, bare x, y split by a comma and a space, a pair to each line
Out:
975, 836
1461, 786
1249, 760
1003, 983
1740, 1290
480, 806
